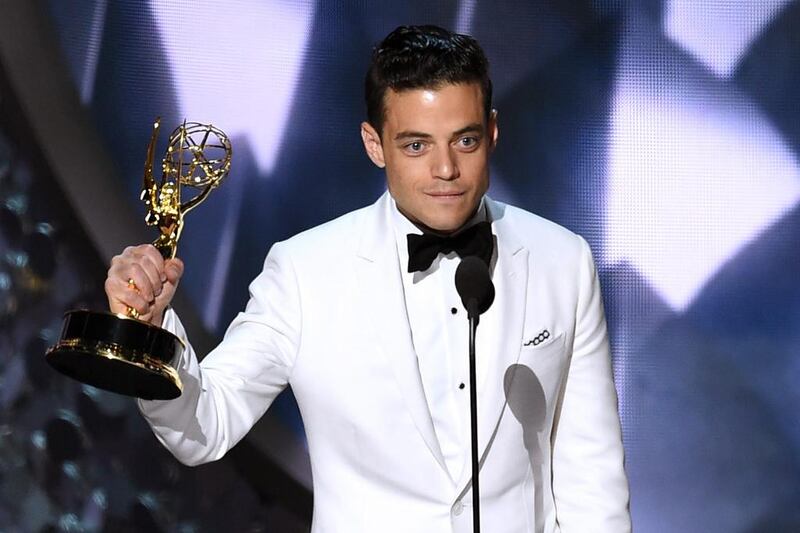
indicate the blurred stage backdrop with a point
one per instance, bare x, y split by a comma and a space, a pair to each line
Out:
667, 132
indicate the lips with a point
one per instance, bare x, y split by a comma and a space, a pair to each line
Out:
445, 194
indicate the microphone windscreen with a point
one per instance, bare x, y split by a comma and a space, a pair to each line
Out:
473, 282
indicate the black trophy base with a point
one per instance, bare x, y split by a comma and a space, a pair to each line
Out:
119, 354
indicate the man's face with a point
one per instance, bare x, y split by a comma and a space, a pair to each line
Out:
435, 146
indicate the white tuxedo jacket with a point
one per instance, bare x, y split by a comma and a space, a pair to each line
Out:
327, 316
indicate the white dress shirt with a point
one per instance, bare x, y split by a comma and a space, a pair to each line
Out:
440, 334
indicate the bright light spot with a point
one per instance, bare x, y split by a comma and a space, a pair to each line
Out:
695, 175
429, 96
236, 64
718, 33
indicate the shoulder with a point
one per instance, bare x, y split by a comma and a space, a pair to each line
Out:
541, 236
329, 240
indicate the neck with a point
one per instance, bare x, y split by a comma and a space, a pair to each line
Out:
446, 233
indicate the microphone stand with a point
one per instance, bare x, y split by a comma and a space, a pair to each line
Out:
474, 286
473, 316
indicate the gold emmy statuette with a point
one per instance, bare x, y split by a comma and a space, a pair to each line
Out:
119, 352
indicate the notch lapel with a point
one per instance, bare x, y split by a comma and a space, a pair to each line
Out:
510, 276
381, 295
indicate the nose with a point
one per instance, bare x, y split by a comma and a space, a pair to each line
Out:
445, 166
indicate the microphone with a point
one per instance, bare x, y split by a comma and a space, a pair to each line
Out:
474, 286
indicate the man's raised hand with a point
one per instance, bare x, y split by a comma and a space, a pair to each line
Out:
139, 278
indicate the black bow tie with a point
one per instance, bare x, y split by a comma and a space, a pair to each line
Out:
476, 240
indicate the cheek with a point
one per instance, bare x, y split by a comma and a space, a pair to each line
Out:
401, 191
475, 167
403, 175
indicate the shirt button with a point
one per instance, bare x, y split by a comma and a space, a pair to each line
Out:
458, 508
453, 310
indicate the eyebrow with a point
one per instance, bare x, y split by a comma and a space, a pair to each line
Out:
410, 134
472, 128
476, 127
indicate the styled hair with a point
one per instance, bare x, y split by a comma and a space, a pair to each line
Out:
423, 57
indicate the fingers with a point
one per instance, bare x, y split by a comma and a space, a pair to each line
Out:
139, 278
137, 264
122, 295
151, 262
143, 280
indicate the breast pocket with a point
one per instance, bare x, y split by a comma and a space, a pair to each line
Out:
543, 346
544, 364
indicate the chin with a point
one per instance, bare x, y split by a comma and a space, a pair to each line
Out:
445, 226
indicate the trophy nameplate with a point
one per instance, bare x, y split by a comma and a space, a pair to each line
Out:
119, 352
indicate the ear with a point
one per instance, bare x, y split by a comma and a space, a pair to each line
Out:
494, 131
372, 144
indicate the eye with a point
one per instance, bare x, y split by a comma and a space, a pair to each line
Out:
468, 142
414, 147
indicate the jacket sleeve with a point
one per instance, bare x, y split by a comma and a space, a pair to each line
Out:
589, 482
225, 394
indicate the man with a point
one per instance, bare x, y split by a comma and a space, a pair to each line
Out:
364, 322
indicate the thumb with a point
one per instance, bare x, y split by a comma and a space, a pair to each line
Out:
174, 270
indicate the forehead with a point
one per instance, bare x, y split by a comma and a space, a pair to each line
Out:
446, 106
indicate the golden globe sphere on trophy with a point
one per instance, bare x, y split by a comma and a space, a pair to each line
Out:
119, 352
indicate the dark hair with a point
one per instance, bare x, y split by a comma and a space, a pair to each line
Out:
423, 57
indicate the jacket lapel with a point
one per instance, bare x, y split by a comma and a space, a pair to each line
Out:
381, 295
505, 327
